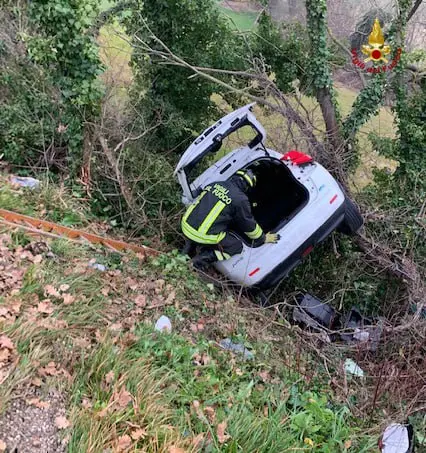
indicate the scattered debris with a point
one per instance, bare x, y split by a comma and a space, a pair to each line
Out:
397, 438
97, 266
356, 328
163, 324
22, 181
221, 436
238, 348
361, 329
352, 368
315, 314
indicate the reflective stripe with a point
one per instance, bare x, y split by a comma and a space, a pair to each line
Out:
200, 235
195, 236
192, 207
256, 233
221, 256
246, 177
211, 217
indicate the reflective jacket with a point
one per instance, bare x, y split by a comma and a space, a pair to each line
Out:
222, 206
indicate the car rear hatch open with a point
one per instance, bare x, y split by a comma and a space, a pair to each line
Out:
210, 142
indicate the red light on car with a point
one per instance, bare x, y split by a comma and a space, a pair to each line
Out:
254, 272
308, 251
333, 199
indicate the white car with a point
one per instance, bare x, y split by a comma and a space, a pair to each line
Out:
294, 196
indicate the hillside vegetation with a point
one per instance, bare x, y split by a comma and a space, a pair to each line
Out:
89, 335
98, 101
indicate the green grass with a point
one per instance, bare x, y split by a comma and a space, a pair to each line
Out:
178, 388
49, 202
242, 21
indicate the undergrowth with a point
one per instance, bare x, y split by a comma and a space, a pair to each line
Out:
129, 387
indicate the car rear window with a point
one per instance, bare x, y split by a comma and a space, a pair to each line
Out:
241, 137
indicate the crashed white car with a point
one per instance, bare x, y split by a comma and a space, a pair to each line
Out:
294, 196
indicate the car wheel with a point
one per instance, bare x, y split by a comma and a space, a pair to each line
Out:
353, 220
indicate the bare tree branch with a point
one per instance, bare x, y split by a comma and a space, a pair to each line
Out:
414, 9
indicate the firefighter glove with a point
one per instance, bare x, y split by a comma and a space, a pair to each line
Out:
272, 238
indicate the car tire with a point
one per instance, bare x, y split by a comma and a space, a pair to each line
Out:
353, 220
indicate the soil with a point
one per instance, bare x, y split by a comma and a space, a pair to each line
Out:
25, 428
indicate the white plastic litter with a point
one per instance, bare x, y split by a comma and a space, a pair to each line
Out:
361, 335
352, 368
163, 324
97, 266
395, 439
22, 181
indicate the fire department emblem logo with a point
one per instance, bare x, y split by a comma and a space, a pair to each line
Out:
376, 51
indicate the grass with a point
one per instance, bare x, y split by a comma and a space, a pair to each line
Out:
124, 382
240, 20
49, 202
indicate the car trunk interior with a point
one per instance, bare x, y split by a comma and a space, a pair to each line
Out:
277, 196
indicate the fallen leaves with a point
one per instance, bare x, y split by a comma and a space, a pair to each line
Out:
11, 270
221, 436
87, 404
122, 398
139, 433
49, 370
210, 414
61, 293
64, 287
6, 342
140, 300
50, 290
62, 422
109, 377
7, 356
124, 442
118, 401
174, 449
45, 307
36, 382
68, 299
3, 446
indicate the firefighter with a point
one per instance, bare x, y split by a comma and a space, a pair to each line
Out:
221, 207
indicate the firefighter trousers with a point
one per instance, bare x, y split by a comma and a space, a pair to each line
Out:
230, 245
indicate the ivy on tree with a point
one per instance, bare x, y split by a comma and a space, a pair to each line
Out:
60, 43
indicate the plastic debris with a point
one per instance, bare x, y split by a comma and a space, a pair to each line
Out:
315, 314
98, 267
163, 324
361, 329
238, 348
397, 438
352, 368
22, 181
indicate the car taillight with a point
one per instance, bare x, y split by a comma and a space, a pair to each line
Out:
333, 199
254, 271
308, 251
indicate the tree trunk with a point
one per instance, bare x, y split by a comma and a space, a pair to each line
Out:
328, 111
